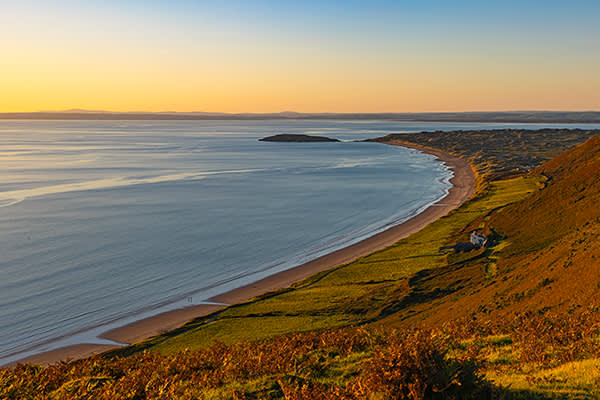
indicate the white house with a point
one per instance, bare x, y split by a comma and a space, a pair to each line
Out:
477, 239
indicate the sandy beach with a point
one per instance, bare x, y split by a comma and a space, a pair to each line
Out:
463, 186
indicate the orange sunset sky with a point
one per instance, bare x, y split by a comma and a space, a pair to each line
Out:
266, 56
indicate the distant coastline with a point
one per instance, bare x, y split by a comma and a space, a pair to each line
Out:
555, 117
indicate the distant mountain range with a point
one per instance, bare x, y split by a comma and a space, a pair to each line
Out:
488, 116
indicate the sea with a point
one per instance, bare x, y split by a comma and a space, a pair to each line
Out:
106, 222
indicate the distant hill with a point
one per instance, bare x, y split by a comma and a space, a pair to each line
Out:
500, 116
499, 153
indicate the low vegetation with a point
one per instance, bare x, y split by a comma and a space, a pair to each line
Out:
529, 356
499, 153
518, 319
353, 363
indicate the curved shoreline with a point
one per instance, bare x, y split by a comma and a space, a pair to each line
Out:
463, 187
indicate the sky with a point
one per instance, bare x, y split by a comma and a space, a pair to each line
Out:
304, 56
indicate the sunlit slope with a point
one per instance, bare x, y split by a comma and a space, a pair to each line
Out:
545, 253
555, 235
569, 203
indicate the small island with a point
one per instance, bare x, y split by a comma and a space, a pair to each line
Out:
288, 137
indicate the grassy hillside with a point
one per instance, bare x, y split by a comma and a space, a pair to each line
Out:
541, 276
546, 254
518, 319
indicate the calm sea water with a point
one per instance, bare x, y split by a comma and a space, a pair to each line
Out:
104, 222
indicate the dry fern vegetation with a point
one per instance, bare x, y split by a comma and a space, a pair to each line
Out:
518, 319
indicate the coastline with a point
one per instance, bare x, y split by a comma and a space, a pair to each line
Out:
463, 186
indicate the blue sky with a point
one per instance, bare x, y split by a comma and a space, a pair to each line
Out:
268, 55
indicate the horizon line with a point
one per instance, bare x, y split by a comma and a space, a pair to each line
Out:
89, 111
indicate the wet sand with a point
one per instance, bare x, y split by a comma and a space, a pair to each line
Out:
463, 186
